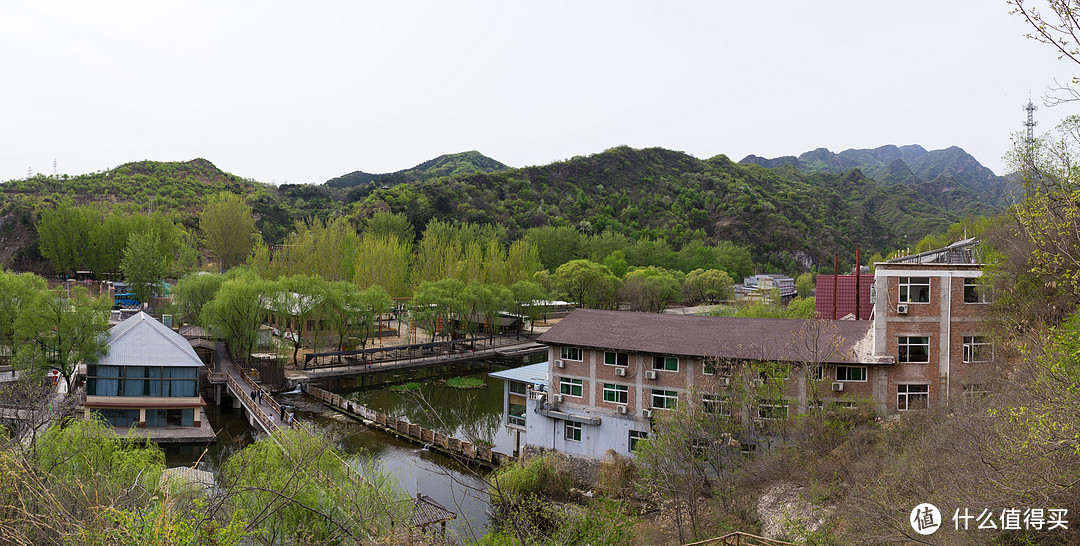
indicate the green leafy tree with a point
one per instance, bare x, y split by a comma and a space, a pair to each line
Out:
531, 299
297, 488
586, 283
382, 260
386, 224
18, 291
616, 263
59, 332
193, 292
228, 228
804, 285
143, 265
650, 289
238, 309
436, 305
373, 302
340, 308
709, 286
298, 301
556, 245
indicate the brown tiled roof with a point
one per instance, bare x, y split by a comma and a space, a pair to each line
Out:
792, 340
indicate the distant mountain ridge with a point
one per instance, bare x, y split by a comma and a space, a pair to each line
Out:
949, 171
458, 164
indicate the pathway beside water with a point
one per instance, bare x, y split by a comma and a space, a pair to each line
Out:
466, 414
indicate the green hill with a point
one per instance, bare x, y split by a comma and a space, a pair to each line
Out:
785, 215
790, 217
359, 184
951, 172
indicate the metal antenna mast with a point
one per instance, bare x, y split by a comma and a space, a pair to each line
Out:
1030, 123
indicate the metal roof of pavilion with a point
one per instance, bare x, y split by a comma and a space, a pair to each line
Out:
141, 341
534, 374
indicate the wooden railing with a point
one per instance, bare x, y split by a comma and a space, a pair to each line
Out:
256, 410
453, 446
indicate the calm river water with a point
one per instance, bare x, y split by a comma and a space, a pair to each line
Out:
467, 414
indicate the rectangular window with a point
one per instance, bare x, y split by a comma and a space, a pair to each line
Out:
772, 409
912, 397
817, 373
635, 437
618, 394
517, 387
572, 353
977, 349
914, 289
662, 399
516, 415
713, 403
851, 373
714, 366
974, 293
570, 387
573, 431
913, 349
616, 359
666, 363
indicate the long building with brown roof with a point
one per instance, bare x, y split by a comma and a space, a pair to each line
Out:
609, 372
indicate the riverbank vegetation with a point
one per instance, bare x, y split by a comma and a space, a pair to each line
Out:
80, 483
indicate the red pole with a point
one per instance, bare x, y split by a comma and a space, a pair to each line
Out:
858, 285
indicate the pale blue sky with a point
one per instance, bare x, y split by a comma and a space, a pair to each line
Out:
306, 91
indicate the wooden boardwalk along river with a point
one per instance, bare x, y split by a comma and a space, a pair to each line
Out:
263, 412
455, 448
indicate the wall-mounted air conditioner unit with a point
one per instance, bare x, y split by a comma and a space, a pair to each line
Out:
650, 374
901, 309
558, 364
837, 386
646, 413
558, 399
622, 410
724, 381
621, 372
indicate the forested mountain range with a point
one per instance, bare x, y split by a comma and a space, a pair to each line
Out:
786, 216
789, 218
359, 183
951, 173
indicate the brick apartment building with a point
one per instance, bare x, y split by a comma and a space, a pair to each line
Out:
610, 371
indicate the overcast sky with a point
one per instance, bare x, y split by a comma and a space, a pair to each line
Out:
306, 91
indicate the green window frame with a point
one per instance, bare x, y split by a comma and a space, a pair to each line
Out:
616, 359
571, 387
663, 399
665, 363
573, 431
851, 373
617, 394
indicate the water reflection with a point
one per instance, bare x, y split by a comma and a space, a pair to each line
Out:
467, 414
